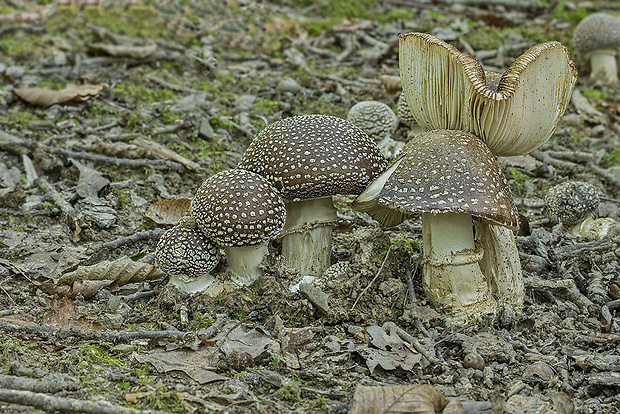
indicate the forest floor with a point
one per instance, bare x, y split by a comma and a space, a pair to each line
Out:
170, 93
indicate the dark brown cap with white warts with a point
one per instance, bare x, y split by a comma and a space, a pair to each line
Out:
314, 156
572, 201
374, 118
238, 208
186, 252
445, 171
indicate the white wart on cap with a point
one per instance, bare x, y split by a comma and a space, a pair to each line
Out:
374, 118
446, 89
598, 36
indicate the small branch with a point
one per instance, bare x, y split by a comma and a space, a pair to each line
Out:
122, 241
74, 216
52, 383
404, 335
374, 279
568, 285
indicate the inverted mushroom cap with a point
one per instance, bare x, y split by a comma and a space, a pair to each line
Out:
404, 113
444, 171
238, 208
314, 156
572, 201
186, 252
597, 31
374, 118
446, 89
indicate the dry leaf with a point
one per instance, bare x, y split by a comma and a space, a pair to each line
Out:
168, 210
165, 153
90, 182
48, 97
414, 399
61, 310
123, 271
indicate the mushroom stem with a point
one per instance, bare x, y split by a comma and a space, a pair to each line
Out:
501, 265
603, 65
451, 275
307, 240
243, 262
191, 284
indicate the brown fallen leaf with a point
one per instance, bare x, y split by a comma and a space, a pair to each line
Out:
48, 97
168, 210
414, 399
123, 271
162, 152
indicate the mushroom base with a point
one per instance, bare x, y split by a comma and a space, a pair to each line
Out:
604, 66
501, 265
244, 263
307, 240
451, 276
191, 284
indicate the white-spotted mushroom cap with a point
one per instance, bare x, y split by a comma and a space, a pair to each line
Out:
404, 113
444, 171
447, 89
374, 118
314, 156
597, 31
238, 208
571, 202
186, 252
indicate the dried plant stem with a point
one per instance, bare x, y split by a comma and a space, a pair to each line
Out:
387, 254
133, 238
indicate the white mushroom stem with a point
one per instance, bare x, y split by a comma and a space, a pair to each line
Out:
451, 275
191, 284
501, 265
307, 235
603, 65
244, 262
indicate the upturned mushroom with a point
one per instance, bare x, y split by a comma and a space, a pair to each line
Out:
309, 159
240, 211
514, 113
598, 37
187, 256
449, 177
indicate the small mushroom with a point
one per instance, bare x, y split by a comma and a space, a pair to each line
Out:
241, 211
513, 113
448, 176
598, 36
309, 159
403, 111
378, 121
187, 256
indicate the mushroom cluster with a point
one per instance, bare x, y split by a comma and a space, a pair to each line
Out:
450, 175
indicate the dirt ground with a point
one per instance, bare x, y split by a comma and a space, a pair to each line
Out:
170, 93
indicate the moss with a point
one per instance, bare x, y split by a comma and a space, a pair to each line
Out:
519, 179
162, 399
559, 11
595, 94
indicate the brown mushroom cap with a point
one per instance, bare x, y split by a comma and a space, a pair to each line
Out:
374, 118
597, 31
186, 252
514, 115
314, 156
572, 201
445, 171
238, 208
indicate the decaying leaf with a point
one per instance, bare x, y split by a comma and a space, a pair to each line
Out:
130, 51
123, 271
165, 153
168, 210
198, 365
415, 399
48, 97
90, 182
62, 314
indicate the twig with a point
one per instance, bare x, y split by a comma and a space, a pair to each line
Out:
74, 216
606, 175
65, 405
462, 328
568, 285
374, 278
583, 249
51, 383
547, 159
154, 234
404, 335
412, 306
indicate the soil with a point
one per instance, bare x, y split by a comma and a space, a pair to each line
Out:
180, 90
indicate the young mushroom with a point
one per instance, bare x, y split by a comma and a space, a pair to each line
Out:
242, 212
449, 177
310, 159
187, 256
598, 36
378, 121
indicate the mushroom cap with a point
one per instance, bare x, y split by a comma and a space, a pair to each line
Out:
597, 31
182, 251
404, 113
572, 201
374, 118
238, 208
513, 115
446, 171
314, 156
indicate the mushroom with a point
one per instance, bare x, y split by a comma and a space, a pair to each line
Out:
404, 114
241, 211
309, 159
187, 256
449, 177
598, 36
513, 113
378, 121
